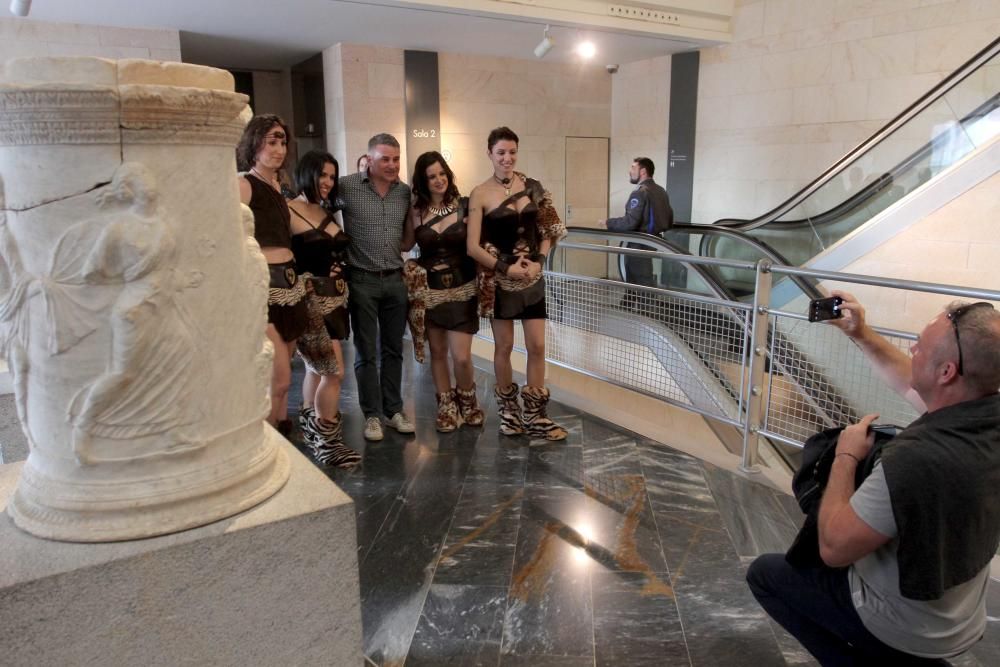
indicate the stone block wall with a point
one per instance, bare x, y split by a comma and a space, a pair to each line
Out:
543, 102
21, 37
806, 80
640, 105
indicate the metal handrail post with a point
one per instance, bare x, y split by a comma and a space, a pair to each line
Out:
758, 354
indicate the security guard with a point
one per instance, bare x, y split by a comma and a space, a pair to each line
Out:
648, 210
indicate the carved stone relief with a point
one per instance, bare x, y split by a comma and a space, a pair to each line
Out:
132, 299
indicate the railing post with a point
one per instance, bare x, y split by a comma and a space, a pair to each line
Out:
758, 354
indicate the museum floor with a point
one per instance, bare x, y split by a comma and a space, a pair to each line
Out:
608, 549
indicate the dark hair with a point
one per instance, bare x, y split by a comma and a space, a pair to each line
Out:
645, 163
357, 165
419, 183
500, 134
308, 172
254, 135
382, 139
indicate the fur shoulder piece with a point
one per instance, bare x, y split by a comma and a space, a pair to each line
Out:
549, 223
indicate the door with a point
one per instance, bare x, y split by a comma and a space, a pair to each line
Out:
586, 198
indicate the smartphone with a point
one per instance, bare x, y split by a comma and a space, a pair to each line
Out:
825, 309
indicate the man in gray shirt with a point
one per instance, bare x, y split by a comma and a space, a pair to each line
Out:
907, 554
375, 204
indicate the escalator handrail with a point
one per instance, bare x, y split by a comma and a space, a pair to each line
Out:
719, 290
887, 179
808, 286
932, 95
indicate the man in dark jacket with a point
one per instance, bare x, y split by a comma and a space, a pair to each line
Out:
647, 210
906, 555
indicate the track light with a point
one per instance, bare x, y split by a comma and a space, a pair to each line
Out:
544, 46
20, 7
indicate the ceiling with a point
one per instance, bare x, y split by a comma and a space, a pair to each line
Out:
274, 34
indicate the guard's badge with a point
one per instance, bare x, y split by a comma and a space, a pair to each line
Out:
290, 276
340, 285
633, 202
446, 280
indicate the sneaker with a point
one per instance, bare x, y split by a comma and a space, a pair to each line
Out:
399, 422
373, 429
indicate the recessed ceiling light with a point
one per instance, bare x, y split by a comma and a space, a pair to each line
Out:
586, 50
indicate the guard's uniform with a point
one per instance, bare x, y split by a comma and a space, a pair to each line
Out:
647, 210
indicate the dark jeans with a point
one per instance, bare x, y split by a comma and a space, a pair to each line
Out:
378, 313
814, 605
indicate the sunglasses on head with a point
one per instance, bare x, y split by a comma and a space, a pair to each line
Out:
955, 316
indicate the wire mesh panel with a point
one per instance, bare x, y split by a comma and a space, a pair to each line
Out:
820, 379
677, 349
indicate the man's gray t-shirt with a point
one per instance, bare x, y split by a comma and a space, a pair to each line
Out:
928, 628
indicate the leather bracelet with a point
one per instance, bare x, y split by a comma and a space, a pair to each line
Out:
501, 267
856, 459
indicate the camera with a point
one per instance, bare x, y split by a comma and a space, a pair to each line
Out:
612, 69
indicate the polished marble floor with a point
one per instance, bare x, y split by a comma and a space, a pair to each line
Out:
607, 549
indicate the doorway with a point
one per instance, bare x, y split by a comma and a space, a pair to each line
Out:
587, 160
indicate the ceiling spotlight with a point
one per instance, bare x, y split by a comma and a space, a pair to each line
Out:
586, 50
20, 7
545, 45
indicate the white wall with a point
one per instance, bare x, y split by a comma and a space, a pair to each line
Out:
640, 105
27, 37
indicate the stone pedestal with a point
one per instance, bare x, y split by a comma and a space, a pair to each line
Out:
275, 585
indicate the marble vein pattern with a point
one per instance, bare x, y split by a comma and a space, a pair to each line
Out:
607, 550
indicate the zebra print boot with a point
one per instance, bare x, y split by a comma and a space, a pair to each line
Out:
329, 448
307, 415
536, 422
509, 410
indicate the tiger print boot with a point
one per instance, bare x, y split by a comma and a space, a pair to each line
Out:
468, 405
509, 410
536, 422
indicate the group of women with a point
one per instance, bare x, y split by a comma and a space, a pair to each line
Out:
478, 256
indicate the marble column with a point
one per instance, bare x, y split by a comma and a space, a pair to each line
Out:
132, 300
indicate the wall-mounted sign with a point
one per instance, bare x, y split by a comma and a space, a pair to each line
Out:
423, 107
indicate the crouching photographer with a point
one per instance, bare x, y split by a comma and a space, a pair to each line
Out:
905, 556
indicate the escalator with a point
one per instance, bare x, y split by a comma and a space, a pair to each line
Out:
949, 122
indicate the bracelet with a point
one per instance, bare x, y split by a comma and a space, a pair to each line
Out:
501, 267
856, 459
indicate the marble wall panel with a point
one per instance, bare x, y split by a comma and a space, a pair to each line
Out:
385, 81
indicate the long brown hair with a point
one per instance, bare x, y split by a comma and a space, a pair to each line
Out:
254, 136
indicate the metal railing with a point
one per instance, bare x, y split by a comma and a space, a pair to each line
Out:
765, 371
